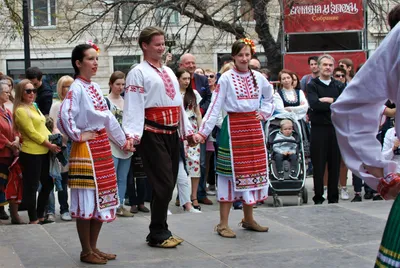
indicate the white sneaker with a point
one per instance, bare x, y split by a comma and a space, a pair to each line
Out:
325, 195
193, 210
211, 193
344, 194
169, 212
66, 216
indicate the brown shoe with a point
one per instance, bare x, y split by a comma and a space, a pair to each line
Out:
205, 201
92, 258
134, 209
107, 256
253, 226
168, 243
225, 231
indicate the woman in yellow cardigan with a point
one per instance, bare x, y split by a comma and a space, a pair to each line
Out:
34, 156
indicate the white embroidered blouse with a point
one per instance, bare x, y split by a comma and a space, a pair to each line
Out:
85, 109
356, 114
236, 92
147, 86
291, 96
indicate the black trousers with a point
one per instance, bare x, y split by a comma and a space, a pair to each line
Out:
63, 195
325, 149
160, 156
279, 161
358, 183
35, 168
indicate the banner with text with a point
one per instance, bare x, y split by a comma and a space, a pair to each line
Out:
298, 63
307, 16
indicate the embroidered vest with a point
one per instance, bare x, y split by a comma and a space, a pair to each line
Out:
287, 102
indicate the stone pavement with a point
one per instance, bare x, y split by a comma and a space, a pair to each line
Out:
340, 235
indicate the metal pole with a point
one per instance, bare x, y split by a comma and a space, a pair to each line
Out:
25, 18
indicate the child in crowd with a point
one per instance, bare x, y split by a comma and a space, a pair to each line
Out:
284, 148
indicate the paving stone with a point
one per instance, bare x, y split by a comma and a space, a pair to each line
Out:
9, 258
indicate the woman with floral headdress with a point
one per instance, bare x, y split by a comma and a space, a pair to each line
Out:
85, 118
242, 157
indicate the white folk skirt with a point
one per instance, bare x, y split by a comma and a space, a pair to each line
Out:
226, 192
83, 206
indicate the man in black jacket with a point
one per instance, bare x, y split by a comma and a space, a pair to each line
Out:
322, 91
44, 95
199, 83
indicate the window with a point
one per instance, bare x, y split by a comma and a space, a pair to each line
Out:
166, 16
43, 13
246, 11
126, 14
124, 63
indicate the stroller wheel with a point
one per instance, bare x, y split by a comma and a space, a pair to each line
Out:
278, 202
304, 195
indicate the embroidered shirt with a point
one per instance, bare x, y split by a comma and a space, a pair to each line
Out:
144, 88
85, 109
356, 114
288, 96
236, 92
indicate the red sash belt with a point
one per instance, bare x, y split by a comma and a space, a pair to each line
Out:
163, 120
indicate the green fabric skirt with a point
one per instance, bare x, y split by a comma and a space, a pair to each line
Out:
224, 164
389, 251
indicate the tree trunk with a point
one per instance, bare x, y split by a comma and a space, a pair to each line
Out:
271, 47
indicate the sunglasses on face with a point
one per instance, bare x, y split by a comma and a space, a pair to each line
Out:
340, 76
342, 66
30, 91
210, 76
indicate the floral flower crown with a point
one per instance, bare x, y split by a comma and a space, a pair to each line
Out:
249, 42
90, 42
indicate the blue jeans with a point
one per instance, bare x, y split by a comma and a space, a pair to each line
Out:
122, 169
201, 191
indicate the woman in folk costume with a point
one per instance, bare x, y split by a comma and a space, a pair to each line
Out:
242, 157
356, 116
84, 117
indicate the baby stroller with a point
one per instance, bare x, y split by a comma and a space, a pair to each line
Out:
293, 185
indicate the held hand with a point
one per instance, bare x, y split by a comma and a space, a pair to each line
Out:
374, 171
128, 146
389, 187
198, 138
191, 140
88, 135
326, 99
54, 148
258, 116
15, 144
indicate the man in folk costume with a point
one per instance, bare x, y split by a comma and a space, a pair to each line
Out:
154, 117
242, 164
356, 116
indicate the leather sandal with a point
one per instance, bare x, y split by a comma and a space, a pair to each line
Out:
168, 243
198, 207
254, 226
92, 258
225, 231
107, 256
